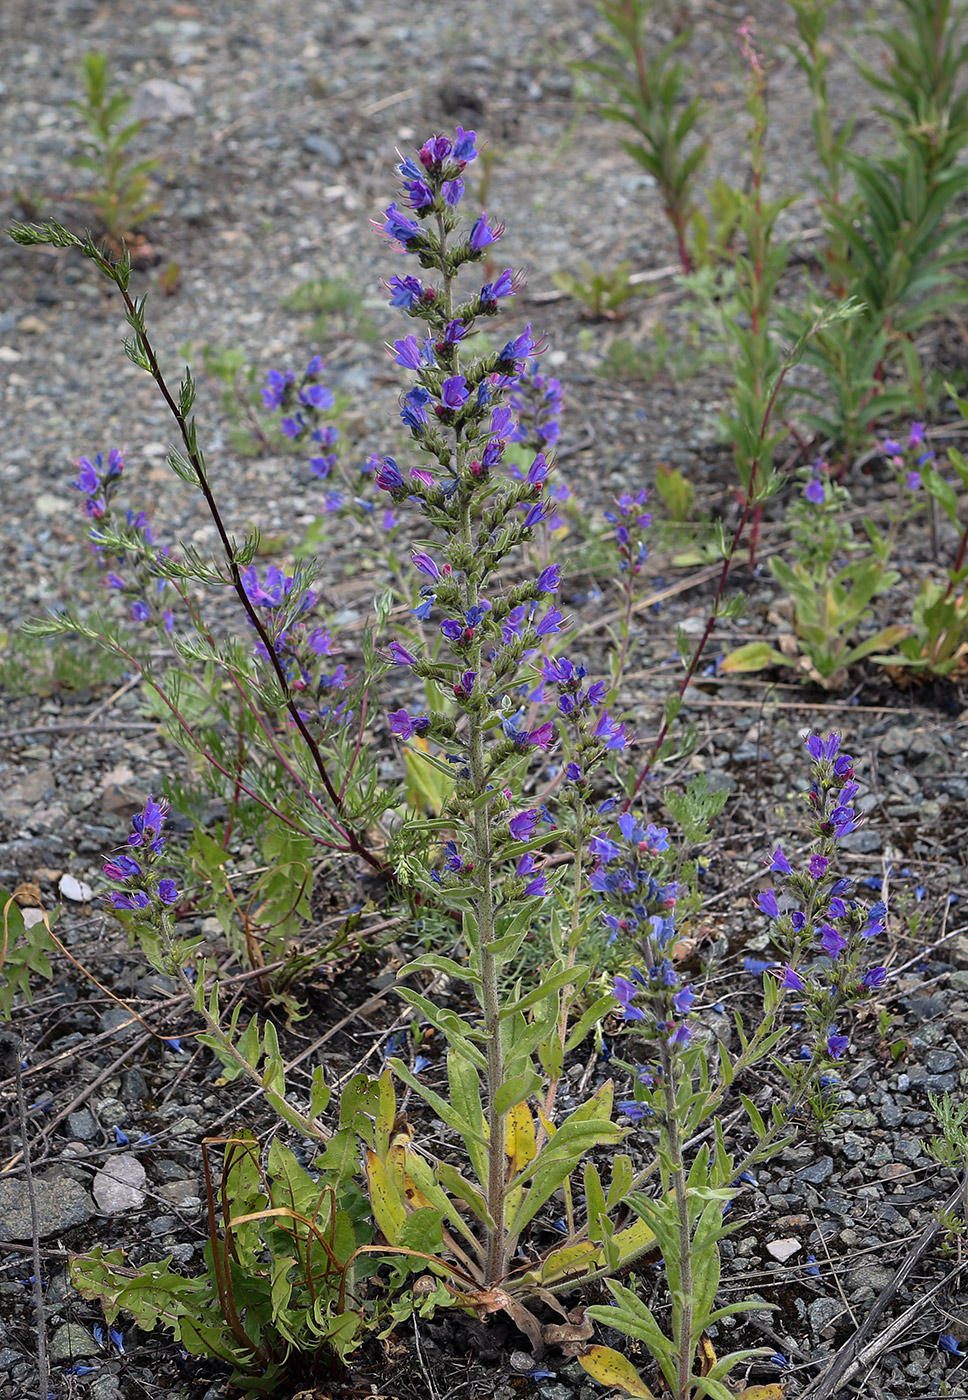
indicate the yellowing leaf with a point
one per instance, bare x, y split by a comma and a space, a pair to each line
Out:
428, 788
635, 1239
754, 656
389, 1212
574, 1259
774, 1391
610, 1367
519, 1137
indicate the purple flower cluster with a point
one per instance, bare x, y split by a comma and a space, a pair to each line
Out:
908, 459
631, 523
627, 875
98, 482
298, 644
824, 934
140, 888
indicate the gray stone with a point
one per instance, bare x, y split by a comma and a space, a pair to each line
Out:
9, 1356
82, 1125
824, 1312
326, 149
72, 1340
940, 1061
863, 842
134, 1086
896, 741
817, 1171
164, 101
115, 1018
106, 1386
890, 1115
61, 1204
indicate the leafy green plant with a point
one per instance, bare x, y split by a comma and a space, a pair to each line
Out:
602, 293
120, 196
25, 948
280, 1297
831, 581
331, 298
231, 367
644, 91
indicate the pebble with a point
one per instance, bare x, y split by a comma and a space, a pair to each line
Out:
72, 1340
62, 1203
161, 100
783, 1249
82, 1125
823, 1312
326, 149
119, 1185
818, 1171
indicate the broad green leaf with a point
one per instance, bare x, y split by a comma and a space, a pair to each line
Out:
516, 1091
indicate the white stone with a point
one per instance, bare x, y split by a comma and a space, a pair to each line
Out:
777, 1249
78, 890
119, 1185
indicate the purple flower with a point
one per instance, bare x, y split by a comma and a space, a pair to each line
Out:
832, 941
140, 611
453, 391
148, 824
520, 348
683, 1000
121, 868
779, 862
791, 981
766, 903
400, 655
453, 191
549, 623
136, 900
757, 966
836, 1045
420, 194
602, 848
464, 149
949, 1342
167, 891
633, 1109
522, 826
426, 565
410, 353
388, 476
916, 434
316, 396
875, 977
404, 725
814, 490
397, 226
549, 580
625, 993
482, 235
541, 737
679, 1037
818, 866
503, 287
406, 292
536, 514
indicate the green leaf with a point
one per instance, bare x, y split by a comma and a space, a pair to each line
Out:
754, 656
515, 1091
568, 977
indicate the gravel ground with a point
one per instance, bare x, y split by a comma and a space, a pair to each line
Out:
276, 125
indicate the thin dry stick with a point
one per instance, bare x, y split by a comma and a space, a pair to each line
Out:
43, 1368
845, 1363
900, 1325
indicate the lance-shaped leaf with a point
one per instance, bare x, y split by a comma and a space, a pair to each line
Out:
609, 1367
